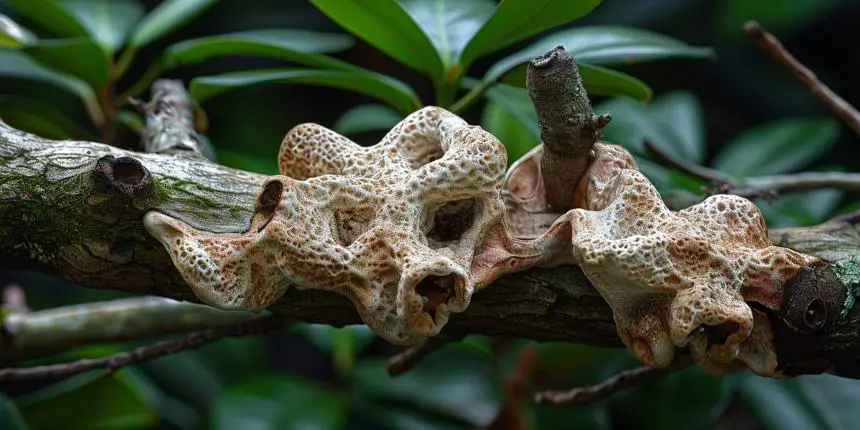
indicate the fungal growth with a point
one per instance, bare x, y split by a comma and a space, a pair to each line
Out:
393, 227
673, 279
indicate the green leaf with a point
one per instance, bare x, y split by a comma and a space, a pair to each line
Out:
606, 82
688, 399
10, 418
368, 117
681, 124
809, 402
517, 136
166, 17
108, 22
343, 343
449, 24
672, 122
800, 209
385, 25
13, 35
515, 20
18, 65
381, 87
50, 14
78, 56
603, 46
777, 147
278, 401
40, 118
453, 381
91, 400
300, 46
729, 16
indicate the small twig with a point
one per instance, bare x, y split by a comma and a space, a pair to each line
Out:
146, 353
169, 127
406, 360
697, 171
606, 388
772, 46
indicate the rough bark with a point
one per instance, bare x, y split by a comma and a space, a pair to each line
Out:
74, 209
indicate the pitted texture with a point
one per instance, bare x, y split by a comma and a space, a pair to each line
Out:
394, 227
677, 279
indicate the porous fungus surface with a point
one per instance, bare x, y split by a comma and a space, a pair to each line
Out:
677, 279
393, 227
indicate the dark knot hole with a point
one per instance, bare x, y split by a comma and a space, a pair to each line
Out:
815, 316
267, 203
719, 334
436, 290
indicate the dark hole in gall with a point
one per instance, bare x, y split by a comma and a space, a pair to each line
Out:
719, 334
816, 314
267, 202
435, 290
128, 171
452, 220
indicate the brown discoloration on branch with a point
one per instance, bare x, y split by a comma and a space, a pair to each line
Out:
568, 125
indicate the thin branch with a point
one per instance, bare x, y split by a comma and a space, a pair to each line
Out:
406, 360
759, 186
169, 127
146, 353
46, 332
773, 47
604, 389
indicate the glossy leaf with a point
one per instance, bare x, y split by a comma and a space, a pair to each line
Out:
165, 18
517, 136
300, 46
453, 381
386, 89
278, 401
603, 46
13, 35
449, 24
811, 402
387, 26
515, 20
672, 122
108, 22
50, 14
41, 119
777, 147
600, 81
91, 400
18, 65
10, 418
369, 117
342, 343
79, 57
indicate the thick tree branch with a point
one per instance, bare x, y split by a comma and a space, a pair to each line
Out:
58, 217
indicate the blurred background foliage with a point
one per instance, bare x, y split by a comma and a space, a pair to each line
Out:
680, 74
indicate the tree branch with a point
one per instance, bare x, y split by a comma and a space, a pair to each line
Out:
760, 186
59, 218
145, 353
773, 47
34, 334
